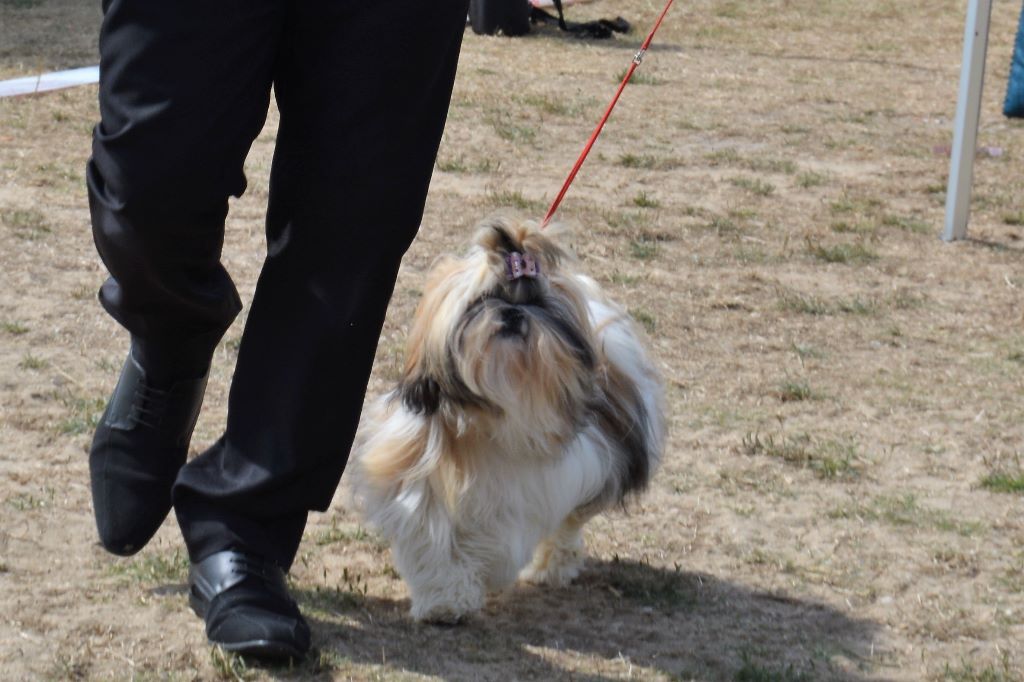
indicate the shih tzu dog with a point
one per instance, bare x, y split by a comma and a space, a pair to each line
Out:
527, 405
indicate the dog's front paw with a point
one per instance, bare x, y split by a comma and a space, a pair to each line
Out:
449, 605
552, 575
554, 564
441, 614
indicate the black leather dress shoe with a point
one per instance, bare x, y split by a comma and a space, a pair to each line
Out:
140, 444
245, 603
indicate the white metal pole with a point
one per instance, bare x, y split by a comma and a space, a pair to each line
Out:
968, 110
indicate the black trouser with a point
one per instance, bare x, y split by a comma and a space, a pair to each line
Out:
363, 89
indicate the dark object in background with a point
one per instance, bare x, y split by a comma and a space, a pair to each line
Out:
510, 17
513, 18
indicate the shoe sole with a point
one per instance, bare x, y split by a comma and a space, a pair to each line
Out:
265, 649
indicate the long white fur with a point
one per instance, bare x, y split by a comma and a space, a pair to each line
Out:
521, 511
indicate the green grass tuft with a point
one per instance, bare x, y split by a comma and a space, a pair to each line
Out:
754, 185
514, 199
627, 220
1004, 482
904, 510
644, 201
906, 299
721, 226
805, 350
153, 569
452, 165
857, 227
730, 157
84, 414
847, 254
907, 224
857, 306
637, 161
549, 105
487, 166
645, 318
967, 672
794, 391
29, 224
648, 162
809, 179
643, 249
828, 459
723, 157
31, 362
639, 78
764, 165
860, 205
806, 304
1015, 219
28, 502
624, 279
511, 130
335, 534
230, 666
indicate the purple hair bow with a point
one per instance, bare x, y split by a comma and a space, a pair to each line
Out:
521, 265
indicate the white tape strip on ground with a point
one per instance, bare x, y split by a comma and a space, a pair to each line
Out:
49, 81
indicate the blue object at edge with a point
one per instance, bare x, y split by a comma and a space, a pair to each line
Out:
1013, 107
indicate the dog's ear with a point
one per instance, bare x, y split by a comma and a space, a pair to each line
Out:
498, 234
424, 395
420, 394
547, 244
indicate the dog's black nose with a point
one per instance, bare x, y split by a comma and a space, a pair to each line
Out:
513, 322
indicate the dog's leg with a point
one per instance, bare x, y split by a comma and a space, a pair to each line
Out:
445, 585
447, 594
558, 559
448, 601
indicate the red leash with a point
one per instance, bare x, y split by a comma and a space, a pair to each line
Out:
639, 57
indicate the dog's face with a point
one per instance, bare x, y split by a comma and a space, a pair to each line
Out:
503, 332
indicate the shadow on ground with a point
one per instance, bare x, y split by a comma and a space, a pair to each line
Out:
636, 619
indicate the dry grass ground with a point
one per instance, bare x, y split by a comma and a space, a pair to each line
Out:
842, 496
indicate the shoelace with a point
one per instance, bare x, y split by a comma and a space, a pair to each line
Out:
267, 573
255, 568
150, 405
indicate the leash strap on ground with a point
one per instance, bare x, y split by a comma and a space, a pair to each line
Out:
597, 131
602, 28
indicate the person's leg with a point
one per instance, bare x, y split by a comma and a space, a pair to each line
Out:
363, 90
184, 89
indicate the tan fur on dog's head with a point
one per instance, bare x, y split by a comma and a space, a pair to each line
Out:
516, 349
